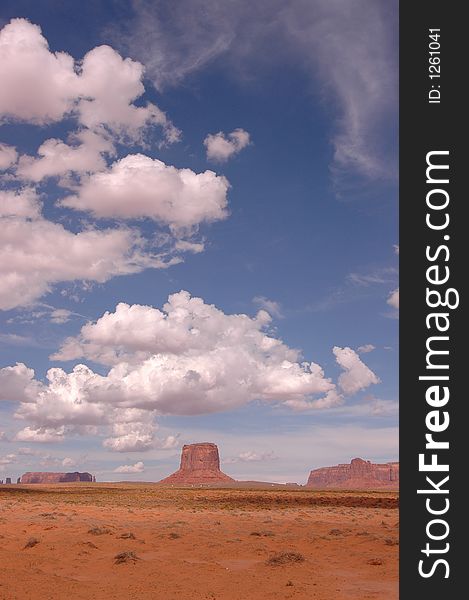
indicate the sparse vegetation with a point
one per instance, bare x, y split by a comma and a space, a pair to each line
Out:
31, 542
125, 557
99, 530
285, 558
127, 536
391, 542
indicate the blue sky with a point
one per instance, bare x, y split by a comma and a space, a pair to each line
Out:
247, 159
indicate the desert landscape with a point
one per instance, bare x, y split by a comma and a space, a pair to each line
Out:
120, 541
200, 534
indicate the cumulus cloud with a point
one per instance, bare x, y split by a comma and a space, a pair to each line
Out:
357, 375
22, 203
44, 435
131, 437
393, 299
55, 158
188, 358
271, 306
68, 462
98, 94
175, 197
40, 86
366, 348
221, 147
138, 467
191, 357
35, 254
8, 156
17, 384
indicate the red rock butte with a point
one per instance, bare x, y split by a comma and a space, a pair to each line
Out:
359, 474
200, 463
46, 477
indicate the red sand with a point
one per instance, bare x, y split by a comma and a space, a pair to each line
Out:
202, 544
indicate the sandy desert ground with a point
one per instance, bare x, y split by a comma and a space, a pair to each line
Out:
143, 541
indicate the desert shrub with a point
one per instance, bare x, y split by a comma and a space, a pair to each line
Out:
126, 536
125, 557
285, 558
99, 530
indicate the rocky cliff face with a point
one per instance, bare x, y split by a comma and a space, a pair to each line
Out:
359, 474
200, 463
44, 477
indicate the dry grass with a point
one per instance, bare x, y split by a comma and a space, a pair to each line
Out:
285, 558
125, 557
126, 536
99, 530
148, 495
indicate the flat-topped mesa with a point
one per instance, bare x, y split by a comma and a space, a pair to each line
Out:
200, 463
359, 474
46, 477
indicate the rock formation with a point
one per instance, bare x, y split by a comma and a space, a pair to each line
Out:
200, 463
8, 480
359, 474
45, 477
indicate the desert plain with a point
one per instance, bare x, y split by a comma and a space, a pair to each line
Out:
124, 541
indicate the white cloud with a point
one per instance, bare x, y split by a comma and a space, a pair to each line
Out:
138, 467
108, 85
20, 203
221, 146
60, 316
271, 306
179, 198
131, 437
17, 384
250, 456
393, 299
37, 85
396, 249
36, 254
40, 86
189, 358
55, 158
358, 78
40, 434
8, 156
366, 348
68, 462
331, 400
357, 375
8, 459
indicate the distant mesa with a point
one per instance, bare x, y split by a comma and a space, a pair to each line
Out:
8, 480
200, 463
359, 474
46, 477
